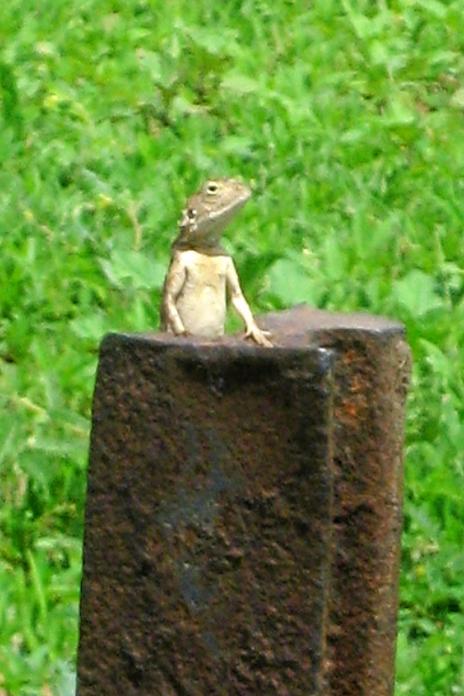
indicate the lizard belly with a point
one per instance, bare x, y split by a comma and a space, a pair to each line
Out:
202, 302
202, 312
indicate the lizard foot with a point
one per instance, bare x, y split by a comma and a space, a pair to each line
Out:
259, 336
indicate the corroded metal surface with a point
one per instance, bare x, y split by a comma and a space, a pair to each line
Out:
207, 545
371, 375
243, 514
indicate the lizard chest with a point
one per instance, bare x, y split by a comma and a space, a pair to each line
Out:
203, 270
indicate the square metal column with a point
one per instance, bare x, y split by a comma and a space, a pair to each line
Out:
243, 512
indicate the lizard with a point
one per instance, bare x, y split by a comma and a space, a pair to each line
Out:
201, 273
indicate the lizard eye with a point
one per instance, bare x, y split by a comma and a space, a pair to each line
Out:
212, 187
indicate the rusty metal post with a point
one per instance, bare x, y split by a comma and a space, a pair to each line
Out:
371, 374
243, 512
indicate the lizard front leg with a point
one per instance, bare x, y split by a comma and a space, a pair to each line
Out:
242, 308
175, 279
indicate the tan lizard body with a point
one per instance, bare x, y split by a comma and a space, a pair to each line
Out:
201, 274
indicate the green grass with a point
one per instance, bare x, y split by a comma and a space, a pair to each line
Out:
347, 117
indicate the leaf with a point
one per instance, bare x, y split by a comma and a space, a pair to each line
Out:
335, 264
291, 284
416, 292
151, 61
65, 679
132, 268
236, 145
240, 84
438, 361
363, 26
443, 56
10, 99
400, 111
90, 327
457, 100
181, 106
213, 42
438, 9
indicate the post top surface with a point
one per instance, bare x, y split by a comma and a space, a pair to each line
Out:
297, 327
304, 323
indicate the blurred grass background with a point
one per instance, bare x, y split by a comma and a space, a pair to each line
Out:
347, 117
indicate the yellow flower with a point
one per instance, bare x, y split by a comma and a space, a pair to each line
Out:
52, 100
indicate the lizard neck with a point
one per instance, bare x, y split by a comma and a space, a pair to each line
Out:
204, 246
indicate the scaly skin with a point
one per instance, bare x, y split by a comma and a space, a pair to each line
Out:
201, 274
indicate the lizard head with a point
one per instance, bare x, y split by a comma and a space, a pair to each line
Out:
208, 211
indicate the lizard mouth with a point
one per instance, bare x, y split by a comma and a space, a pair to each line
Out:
218, 220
